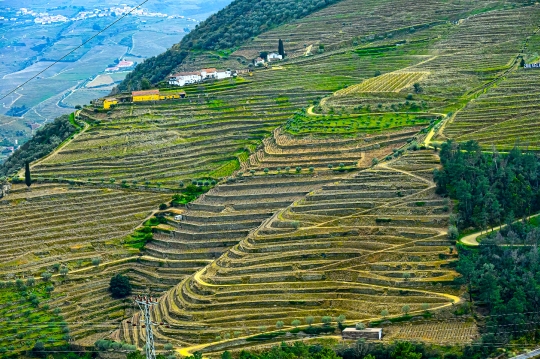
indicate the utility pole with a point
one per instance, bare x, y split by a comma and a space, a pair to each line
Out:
145, 303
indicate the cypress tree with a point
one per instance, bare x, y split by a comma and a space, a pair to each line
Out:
281, 49
27, 175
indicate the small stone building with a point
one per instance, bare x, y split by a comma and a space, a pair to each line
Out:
368, 333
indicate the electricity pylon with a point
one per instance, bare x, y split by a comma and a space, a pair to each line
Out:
145, 303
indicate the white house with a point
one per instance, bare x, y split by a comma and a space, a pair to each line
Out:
185, 78
259, 61
209, 73
220, 75
274, 57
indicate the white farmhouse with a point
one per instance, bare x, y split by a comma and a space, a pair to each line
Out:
209, 73
185, 78
220, 75
274, 57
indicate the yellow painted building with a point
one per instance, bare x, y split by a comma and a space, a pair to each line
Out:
108, 102
149, 95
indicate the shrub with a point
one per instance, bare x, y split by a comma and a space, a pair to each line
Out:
384, 313
406, 309
46, 276
39, 349
162, 207
64, 270
326, 319
168, 346
295, 323
96, 261
341, 318
360, 326
279, 324
310, 320
119, 286
453, 232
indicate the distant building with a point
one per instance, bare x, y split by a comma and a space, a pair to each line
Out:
274, 57
188, 78
185, 78
220, 75
138, 96
172, 96
368, 333
209, 73
258, 61
532, 66
108, 102
148, 95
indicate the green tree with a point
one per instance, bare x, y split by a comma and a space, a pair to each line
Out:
281, 48
405, 350
145, 84
279, 324
226, 355
295, 323
27, 175
406, 309
326, 319
119, 286
39, 349
310, 320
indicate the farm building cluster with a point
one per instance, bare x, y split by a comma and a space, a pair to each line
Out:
138, 96
532, 66
188, 78
272, 57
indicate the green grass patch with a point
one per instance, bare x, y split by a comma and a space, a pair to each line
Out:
302, 124
189, 194
227, 168
141, 236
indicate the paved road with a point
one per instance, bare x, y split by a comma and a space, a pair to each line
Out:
528, 355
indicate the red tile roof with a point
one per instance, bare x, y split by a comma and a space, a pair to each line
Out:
145, 93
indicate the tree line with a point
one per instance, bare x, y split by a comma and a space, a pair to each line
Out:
360, 350
45, 140
490, 188
502, 278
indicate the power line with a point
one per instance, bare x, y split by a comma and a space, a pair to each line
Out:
75, 49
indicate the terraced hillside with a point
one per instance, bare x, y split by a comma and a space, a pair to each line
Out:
79, 230
322, 200
356, 246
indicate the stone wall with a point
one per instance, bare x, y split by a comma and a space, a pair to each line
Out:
4, 189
